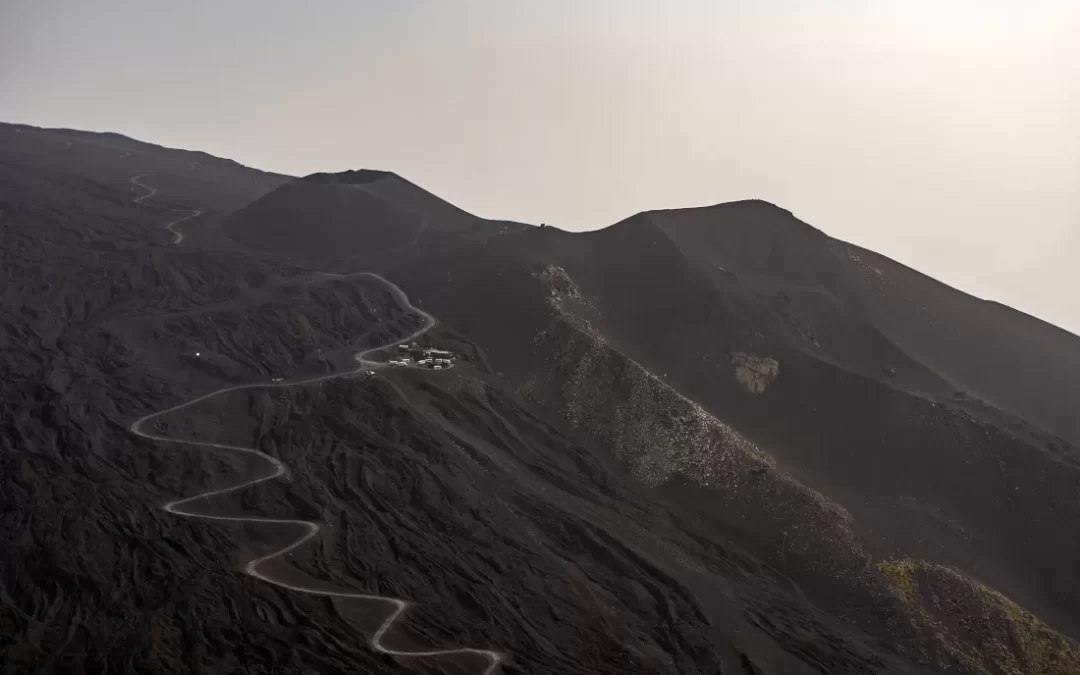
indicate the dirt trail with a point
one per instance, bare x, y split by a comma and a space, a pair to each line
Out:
278, 469
171, 226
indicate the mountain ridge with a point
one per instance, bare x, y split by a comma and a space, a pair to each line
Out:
696, 441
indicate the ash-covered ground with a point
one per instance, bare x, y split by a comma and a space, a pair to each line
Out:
672, 446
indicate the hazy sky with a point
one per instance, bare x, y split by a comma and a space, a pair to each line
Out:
943, 133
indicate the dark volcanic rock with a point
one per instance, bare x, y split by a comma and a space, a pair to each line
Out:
697, 441
358, 177
364, 220
341, 220
1011, 359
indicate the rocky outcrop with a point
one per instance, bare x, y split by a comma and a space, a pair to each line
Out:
755, 373
983, 629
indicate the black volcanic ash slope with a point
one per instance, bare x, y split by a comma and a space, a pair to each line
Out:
655, 456
765, 322
987, 350
453, 494
364, 220
925, 472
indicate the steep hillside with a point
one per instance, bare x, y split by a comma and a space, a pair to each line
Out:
48, 160
817, 470
355, 220
988, 351
693, 442
935, 477
766, 327
1014, 361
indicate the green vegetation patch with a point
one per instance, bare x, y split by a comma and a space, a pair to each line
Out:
979, 626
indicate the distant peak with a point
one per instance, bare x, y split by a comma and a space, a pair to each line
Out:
745, 212
751, 203
759, 207
357, 177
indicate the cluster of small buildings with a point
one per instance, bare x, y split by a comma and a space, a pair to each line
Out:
426, 357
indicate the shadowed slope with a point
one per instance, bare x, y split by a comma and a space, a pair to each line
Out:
689, 443
311, 529
363, 219
1003, 356
795, 364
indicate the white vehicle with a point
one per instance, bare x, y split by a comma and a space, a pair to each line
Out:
400, 364
438, 367
276, 380
403, 348
424, 362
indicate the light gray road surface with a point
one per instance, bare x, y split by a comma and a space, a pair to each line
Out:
170, 226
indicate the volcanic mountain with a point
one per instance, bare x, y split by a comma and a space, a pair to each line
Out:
696, 441
366, 218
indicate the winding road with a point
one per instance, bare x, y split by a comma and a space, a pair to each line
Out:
278, 469
171, 227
